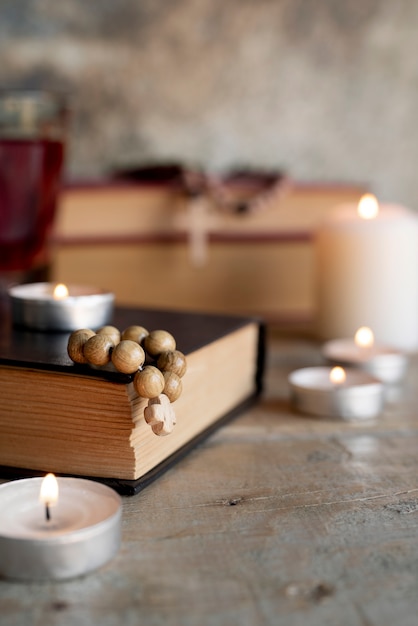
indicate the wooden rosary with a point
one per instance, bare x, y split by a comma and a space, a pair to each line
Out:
151, 357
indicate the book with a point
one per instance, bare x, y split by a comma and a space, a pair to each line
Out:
258, 263
113, 210
57, 416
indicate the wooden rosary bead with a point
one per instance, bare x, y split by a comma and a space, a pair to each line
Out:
149, 382
97, 349
173, 386
159, 341
111, 331
173, 361
76, 342
128, 356
135, 333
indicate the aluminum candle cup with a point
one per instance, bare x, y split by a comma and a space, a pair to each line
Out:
360, 397
82, 534
387, 364
47, 306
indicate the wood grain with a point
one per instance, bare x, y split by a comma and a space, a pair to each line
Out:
277, 519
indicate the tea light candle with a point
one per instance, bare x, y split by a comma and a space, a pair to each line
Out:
367, 273
70, 529
383, 362
347, 394
58, 307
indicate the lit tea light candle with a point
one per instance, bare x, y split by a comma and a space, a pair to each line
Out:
60, 291
343, 393
364, 338
383, 362
59, 307
78, 535
337, 375
49, 493
367, 273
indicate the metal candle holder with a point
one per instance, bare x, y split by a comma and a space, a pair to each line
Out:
82, 533
34, 306
360, 397
385, 363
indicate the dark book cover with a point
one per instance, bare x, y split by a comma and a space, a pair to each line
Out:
21, 347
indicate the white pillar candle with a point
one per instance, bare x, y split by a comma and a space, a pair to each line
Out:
367, 273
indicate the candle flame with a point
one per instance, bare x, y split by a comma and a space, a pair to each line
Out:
368, 207
60, 291
49, 490
364, 337
337, 375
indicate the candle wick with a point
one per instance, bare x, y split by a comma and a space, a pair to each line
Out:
47, 512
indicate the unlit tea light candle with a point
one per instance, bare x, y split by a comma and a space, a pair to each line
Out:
69, 529
347, 394
58, 307
384, 362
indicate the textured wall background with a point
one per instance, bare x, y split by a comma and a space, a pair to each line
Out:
326, 89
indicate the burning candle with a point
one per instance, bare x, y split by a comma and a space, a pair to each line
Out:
57, 529
60, 291
367, 273
49, 494
383, 362
59, 307
364, 338
337, 375
337, 392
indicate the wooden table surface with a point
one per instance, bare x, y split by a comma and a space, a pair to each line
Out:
276, 519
